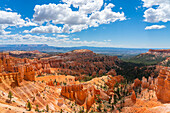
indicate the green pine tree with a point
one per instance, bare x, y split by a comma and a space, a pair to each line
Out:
47, 108
29, 106
10, 95
36, 109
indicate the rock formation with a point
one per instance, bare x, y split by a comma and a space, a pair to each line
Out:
133, 96
145, 83
137, 83
113, 80
163, 86
83, 94
14, 70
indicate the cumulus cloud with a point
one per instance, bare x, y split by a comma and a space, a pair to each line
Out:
35, 39
28, 22
2, 31
62, 36
10, 18
157, 10
105, 16
155, 27
86, 6
45, 29
88, 14
59, 14
76, 38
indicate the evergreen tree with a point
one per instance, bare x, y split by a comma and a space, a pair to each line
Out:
36, 109
10, 95
47, 108
29, 106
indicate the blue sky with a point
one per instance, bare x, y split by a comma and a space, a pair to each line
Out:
104, 23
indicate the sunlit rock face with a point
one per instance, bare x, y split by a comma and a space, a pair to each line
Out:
50, 83
113, 80
14, 70
29, 73
162, 52
145, 83
137, 83
21, 69
163, 86
133, 96
0, 66
83, 94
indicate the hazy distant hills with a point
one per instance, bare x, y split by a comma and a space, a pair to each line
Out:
99, 50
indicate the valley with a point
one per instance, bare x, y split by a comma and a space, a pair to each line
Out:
82, 81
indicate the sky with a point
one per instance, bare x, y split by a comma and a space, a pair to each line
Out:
99, 23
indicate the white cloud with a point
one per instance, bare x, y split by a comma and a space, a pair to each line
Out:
78, 28
86, 6
8, 9
105, 16
155, 27
28, 22
45, 29
161, 12
89, 14
59, 14
107, 40
63, 36
53, 41
2, 31
66, 29
10, 18
76, 38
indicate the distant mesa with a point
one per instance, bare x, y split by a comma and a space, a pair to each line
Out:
22, 52
160, 50
27, 54
82, 51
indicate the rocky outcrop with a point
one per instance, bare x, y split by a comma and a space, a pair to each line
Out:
160, 50
50, 83
83, 94
112, 72
133, 96
137, 83
15, 69
163, 86
113, 80
145, 83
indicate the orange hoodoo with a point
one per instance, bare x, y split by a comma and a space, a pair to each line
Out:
104, 96
113, 80
83, 96
50, 83
58, 83
90, 101
80, 96
133, 97
163, 86
137, 83
69, 88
